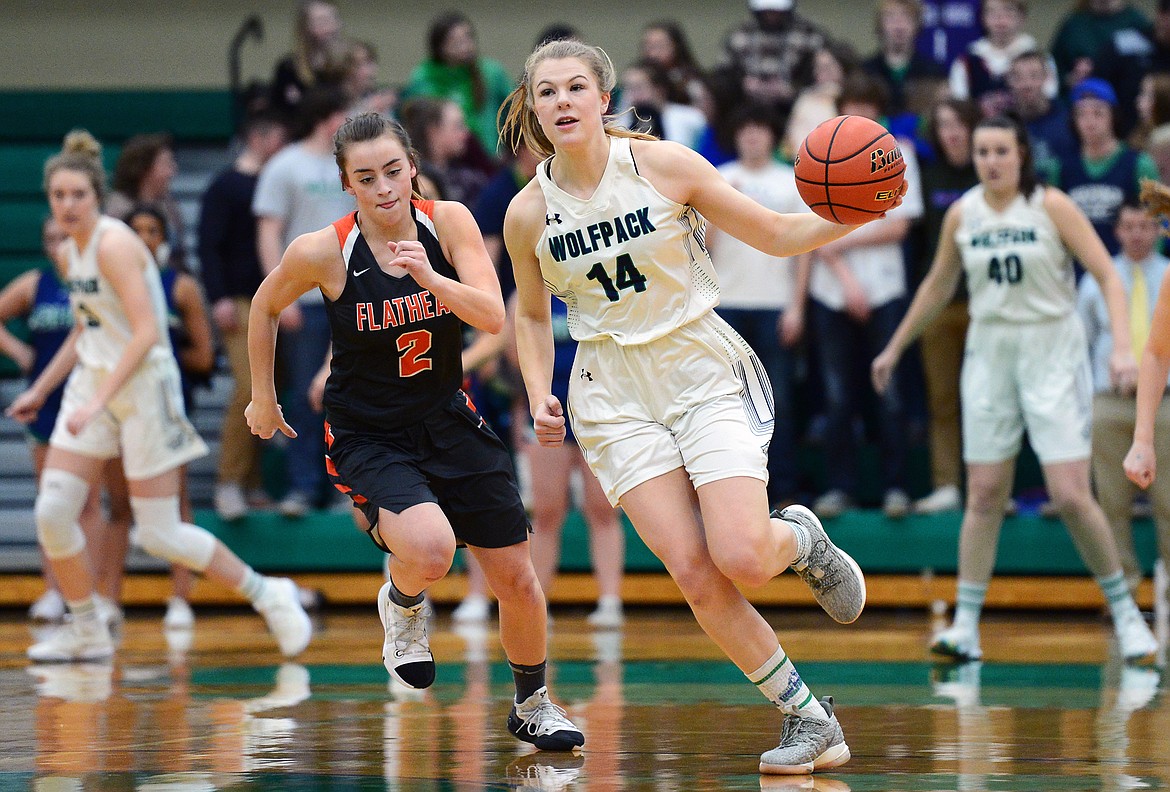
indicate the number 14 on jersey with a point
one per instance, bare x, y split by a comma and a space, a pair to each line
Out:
628, 276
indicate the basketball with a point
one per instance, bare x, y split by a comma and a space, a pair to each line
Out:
849, 170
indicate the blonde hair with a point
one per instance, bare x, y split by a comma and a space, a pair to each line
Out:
517, 118
80, 152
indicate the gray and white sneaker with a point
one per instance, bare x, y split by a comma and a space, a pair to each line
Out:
538, 721
807, 744
834, 577
406, 652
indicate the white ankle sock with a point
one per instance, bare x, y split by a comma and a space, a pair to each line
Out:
781, 684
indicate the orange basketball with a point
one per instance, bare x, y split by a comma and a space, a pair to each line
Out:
849, 169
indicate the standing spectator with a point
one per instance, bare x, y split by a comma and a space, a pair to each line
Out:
645, 96
146, 167
944, 180
1078, 44
828, 70
980, 74
897, 61
1142, 270
230, 266
360, 81
1046, 118
664, 42
298, 192
1105, 172
858, 290
768, 49
440, 133
317, 59
455, 70
759, 294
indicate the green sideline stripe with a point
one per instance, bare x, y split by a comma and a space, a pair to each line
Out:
45, 116
1029, 545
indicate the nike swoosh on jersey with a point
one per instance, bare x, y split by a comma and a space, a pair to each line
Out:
361, 272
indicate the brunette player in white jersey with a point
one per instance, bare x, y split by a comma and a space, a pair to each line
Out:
122, 399
669, 405
400, 277
1026, 367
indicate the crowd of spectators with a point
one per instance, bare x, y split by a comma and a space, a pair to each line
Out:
1096, 100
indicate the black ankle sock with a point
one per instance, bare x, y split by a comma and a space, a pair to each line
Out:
402, 600
529, 679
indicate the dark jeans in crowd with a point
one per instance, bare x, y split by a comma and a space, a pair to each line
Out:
846, 348
759, 328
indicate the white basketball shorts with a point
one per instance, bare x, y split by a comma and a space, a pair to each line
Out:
696, 398
144, 422
1032, 376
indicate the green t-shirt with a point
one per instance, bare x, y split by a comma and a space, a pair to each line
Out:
440, 81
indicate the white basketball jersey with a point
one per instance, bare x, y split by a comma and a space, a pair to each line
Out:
105, 327
1018, 269
629, 263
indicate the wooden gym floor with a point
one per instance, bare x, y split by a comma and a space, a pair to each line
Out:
1050, 708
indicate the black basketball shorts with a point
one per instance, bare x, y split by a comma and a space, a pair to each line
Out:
451, 458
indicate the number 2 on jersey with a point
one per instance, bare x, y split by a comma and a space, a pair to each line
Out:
627, 276
413, 346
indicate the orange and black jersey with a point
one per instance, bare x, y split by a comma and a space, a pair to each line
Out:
397, 350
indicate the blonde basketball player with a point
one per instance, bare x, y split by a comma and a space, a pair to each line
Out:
1026, 367
670, 407
122, 398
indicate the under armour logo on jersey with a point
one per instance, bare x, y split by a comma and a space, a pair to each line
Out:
549, 219
586, 375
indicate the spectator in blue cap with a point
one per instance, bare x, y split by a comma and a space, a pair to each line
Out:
1105, 172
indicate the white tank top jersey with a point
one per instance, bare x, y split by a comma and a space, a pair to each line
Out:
105, 326
629, 263
1018, 269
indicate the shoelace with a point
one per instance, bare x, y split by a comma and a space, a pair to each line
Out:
412, 632
546, 718
820, 572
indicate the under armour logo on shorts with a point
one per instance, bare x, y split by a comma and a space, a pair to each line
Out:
549, 219
585, 375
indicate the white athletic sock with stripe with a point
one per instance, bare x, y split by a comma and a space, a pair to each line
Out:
969, 604
780, 683
1118, 595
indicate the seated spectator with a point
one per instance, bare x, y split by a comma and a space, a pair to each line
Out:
664, 42
317, 59
455, 70
980, 74
1152, 106
645, 91
768, 49
146, 167
722, 95
897, 61
440, 134
1105, 172
1046, 118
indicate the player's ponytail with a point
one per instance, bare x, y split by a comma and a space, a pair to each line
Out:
80, 152
371, 126
517, 118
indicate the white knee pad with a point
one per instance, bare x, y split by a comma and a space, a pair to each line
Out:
60, 499
160, 531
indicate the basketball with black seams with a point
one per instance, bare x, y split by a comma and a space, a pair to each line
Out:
849, 170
